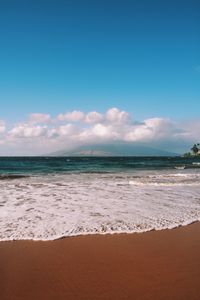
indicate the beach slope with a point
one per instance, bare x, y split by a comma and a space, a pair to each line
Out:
154, 265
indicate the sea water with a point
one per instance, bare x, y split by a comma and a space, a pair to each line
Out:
46, 198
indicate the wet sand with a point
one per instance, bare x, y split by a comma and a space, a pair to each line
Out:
154, 265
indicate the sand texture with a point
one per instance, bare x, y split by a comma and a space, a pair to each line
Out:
154, 265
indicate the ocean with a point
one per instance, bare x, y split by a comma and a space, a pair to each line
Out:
47, 198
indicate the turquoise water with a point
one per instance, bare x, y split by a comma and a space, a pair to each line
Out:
45, 198
43, 165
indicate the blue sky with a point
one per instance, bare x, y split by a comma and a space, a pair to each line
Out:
140, 56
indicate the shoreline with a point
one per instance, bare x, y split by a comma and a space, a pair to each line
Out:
163, 264
91, 234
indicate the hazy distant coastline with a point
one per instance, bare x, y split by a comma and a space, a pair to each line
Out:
118, 149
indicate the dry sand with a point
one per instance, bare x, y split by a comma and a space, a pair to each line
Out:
154, 265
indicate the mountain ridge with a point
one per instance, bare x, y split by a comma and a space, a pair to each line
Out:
124, 149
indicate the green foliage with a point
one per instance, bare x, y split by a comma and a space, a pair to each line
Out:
195, 151
188, 154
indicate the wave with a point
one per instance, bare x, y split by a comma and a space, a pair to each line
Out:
12, 176
131, 182
56, 206
196, 164
100, 231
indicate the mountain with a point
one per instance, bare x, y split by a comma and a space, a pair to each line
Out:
118, 149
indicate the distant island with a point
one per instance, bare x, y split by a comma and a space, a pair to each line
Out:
116, 149
195, 151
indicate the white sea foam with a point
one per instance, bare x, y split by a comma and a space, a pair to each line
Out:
196, 163
54, 206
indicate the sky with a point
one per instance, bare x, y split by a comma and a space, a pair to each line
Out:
140, 59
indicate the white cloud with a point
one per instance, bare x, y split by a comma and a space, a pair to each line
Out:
103, 131
42, 135
74, 116
160, 127
138, 133
191, 130
114, 115
64, 130
2, 126
93, 117
39, 118
28, 131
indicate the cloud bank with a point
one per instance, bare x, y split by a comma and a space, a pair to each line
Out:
42, 133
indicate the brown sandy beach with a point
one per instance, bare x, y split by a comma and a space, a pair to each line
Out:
154, 265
